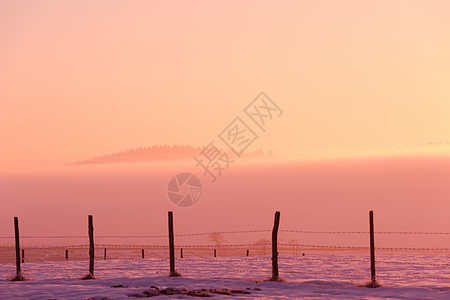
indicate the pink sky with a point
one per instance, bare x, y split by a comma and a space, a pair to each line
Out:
364, 87
80, 79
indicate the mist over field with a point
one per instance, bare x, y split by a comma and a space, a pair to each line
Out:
407, 194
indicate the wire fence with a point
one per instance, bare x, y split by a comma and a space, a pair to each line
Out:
199, 254
226, 232
8, 246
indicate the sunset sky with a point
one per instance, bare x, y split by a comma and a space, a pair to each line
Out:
86, 78
363, 86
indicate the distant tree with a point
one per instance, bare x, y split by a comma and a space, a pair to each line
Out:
217, 238
261, 245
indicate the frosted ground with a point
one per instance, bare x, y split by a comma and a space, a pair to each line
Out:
317, 275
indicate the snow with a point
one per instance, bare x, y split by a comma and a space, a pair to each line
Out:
318, 275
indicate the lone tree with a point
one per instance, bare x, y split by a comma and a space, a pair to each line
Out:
261, 245
217, 238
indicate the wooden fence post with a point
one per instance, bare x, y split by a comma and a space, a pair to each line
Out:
142, 253
248, 252
91, 245
104, 255
215, 253
173, 273
23, 255
181, 253
18, 276
276, 224
91, 248
67, 254
373, 280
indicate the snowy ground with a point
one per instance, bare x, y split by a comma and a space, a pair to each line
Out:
314, 276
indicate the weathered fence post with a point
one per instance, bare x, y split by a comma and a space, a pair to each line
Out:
248, 252
181, 253
18, 276
215, 253
16, 232
173, 273
142, 253
91, 245
275, 247
104, 255
91, 249
23, 255
373, 280
67, 254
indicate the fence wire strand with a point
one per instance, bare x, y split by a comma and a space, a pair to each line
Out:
227, 232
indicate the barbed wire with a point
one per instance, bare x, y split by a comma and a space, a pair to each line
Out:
289, 246
411, 249
134, 236
219, 259
47, 247
210, 246
56, 247
225, 232
365, 247
366, 232
145, 246
323, 232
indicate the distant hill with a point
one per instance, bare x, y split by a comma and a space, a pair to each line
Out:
155, 153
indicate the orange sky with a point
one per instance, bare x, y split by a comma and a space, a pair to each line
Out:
79, 79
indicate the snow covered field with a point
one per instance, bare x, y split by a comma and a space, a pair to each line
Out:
317, 275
